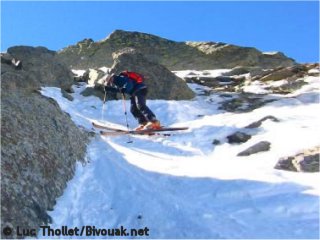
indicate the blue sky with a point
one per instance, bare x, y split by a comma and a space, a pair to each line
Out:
290, 27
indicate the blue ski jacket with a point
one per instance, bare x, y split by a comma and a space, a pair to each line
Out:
125, 85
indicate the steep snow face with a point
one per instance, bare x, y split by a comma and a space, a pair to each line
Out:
183, 186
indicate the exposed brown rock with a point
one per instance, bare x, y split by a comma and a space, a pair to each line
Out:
304, 161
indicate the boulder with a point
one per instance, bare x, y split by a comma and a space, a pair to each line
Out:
216, 142
256, 148
238, 137
304, 161
162, 83
40, 67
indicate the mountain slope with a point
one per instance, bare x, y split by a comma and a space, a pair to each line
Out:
185, 187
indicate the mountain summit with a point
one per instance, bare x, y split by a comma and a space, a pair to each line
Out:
174, 55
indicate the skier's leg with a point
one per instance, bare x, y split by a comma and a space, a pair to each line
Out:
136, 113
140, 97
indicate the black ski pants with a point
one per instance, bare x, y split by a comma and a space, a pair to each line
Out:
139, 109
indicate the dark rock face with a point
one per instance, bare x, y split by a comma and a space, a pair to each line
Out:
40, 143
174, 55
259, 147
162, 84
305, 161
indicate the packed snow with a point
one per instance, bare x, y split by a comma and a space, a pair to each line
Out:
270, 53
183, 186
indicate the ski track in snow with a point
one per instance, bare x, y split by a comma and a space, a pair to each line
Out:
182, 186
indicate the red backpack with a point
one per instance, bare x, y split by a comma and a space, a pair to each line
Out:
138, 78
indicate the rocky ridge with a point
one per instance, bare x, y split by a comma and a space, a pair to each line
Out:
173, 55
280, 80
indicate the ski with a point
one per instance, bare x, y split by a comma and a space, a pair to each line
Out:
143, 132
108, 128
114, 134
117, 131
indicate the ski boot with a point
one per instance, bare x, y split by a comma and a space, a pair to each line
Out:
153, 125
141, 126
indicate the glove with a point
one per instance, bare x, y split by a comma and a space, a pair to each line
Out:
110, 89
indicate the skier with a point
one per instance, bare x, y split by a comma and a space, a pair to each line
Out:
132, 84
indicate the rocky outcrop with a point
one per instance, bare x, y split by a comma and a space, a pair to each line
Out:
291, 77
40, 144
173, 55
305, 161
259, 122
217, 83
280, 80
244, 102
296, 71
162, 84
240, 70
256, 148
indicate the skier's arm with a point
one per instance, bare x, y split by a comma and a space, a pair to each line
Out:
111, 89
127, 88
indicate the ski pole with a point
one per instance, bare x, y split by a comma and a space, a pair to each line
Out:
105, 96
104, 104
126, 115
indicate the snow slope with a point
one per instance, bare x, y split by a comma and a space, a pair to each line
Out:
183, 186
